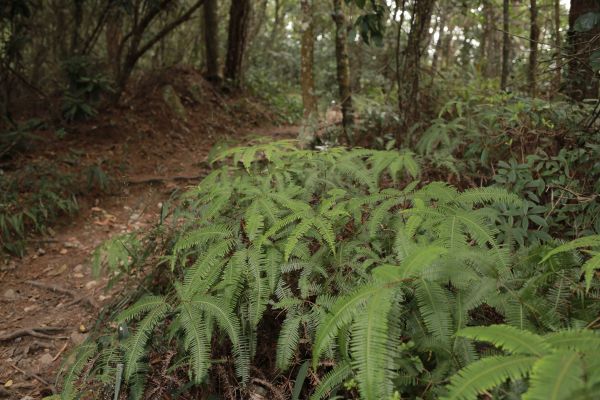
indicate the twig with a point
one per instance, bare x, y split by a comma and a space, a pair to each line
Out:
35, 376
35, 332
60, 351
55, 288
164, 179
52, 287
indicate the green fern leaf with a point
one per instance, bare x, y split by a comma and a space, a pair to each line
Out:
136, 345
434, 307
555, 376
369, 348
287, 341
142, 306
342, 313
217, 309
486, 374
332, 379
508, 338
84, 354
195, 340
586, 341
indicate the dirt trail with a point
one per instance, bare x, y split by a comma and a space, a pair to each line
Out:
49, 299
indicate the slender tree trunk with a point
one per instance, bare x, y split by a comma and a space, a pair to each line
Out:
558, 45
239, 18
582, 82
505, 45
440, 39
211, 40
486, 43
419, 34
114, 36
77, 20
398, 63
309, 101
343, 69
534, 37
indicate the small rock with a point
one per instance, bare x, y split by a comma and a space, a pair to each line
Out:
40, 252
58, 270
30, 308
27, 398
46, 359
63, 251
78, 338
8, 267
82, 328
78, 268
8, 383
91, 284
10, 295
78, 275
102, 297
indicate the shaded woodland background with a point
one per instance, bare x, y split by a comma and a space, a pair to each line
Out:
339, 152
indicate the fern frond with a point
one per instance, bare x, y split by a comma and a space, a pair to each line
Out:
259, 286
486, 195
434, 307
342, 313
587, 241
511, 339
202, 236
217, 309
136, 345
297, 233
555, 376
486, 374
195, 340
287, 341
369, 347
585, 341
141, 307
84, 353
332, 379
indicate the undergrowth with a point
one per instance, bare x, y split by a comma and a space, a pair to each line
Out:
34, 197
340, 266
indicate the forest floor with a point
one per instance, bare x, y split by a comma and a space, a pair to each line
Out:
49, 299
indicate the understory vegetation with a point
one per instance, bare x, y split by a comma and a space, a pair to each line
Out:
342, 263
420, 220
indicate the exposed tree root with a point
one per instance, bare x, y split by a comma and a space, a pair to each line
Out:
37, 332
59, 289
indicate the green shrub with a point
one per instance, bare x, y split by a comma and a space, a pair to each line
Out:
341, 257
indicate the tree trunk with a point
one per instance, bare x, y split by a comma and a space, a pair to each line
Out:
440, 40
343, 69
419, 34
239, 18
309, 100
582, 82
558, 45
534, 37
398, 63
211, 40
77, 20
505, 45
114, 36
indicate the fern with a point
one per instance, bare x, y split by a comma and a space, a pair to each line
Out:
331, 380
488, 373
394, 284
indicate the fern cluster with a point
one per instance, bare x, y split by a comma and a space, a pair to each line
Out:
365, 271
